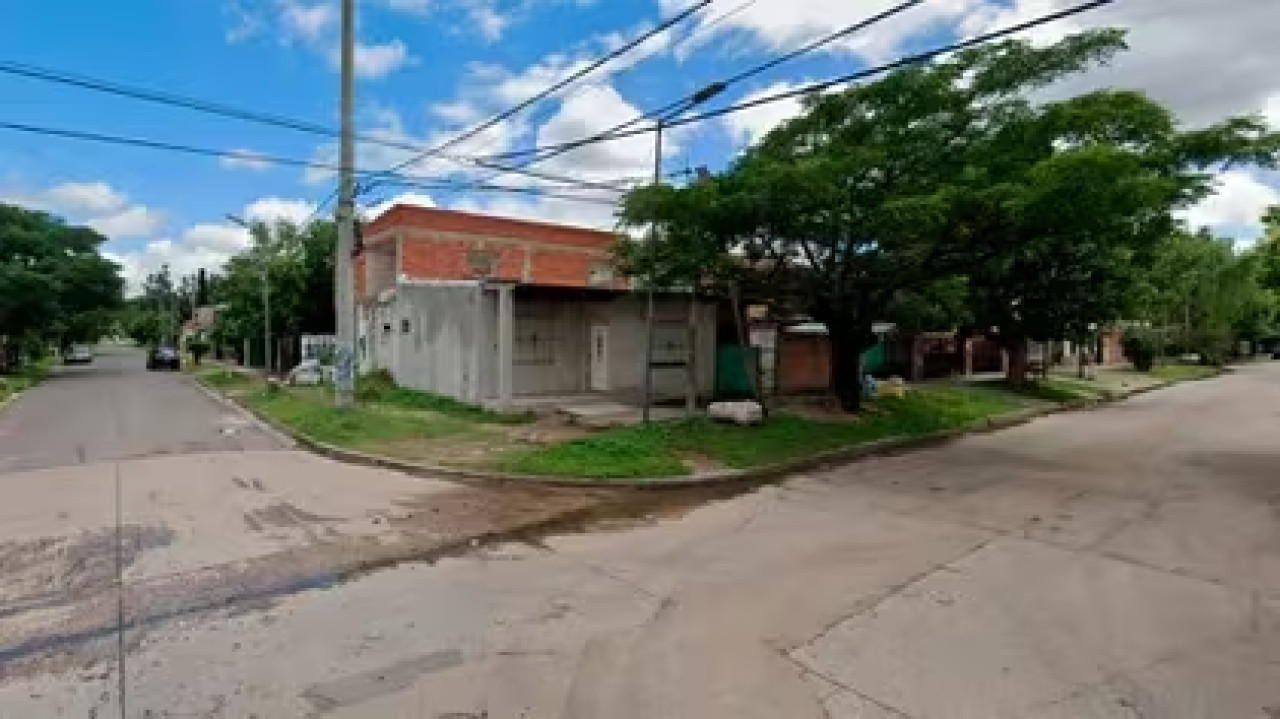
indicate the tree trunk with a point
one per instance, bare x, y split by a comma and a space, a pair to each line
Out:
848, 342
1016, 375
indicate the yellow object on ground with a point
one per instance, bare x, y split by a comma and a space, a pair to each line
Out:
893, 387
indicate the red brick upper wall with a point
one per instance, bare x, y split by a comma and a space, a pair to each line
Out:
438, 245
429, 218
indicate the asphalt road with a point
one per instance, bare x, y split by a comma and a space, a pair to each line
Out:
1108, 564
115, 409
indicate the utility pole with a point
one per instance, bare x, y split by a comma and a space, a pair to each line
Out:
344, 282
648, 286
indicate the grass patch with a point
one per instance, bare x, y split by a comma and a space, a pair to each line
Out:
1182, 372
361, 427
29, 376
224, 378
1057, 390
625, 453
635, 452
379, 388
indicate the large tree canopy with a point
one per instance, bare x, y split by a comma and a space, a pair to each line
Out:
55, 285
946, 178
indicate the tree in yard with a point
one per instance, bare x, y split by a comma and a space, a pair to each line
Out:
1071, 203
864, 201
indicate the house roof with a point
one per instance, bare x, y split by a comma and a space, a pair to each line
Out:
409, 217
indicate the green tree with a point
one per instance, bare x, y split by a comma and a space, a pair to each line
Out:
860, 203
298, 263
55, 285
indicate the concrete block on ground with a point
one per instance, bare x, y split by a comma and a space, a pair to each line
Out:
744, 413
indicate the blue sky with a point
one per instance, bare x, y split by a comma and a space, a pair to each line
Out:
430, 68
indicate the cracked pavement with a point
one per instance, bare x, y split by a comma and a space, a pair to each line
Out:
1121, 562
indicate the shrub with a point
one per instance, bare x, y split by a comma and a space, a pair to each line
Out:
198, 347
1140, 346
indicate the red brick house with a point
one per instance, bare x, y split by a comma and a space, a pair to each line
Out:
488, 310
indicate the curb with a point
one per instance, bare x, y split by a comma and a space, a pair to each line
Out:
819, 460
286, 438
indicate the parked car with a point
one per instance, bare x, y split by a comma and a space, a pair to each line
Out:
164, 358
78, 354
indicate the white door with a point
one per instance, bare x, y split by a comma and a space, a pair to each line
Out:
599, 358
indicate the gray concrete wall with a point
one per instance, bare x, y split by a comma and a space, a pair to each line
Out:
626, 319
437, 350
550, 347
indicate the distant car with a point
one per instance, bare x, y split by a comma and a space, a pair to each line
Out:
78, 354
164, 358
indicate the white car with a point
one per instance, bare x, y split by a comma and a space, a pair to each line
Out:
78, 354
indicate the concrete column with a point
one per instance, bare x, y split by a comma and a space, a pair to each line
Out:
506, 342
968, 357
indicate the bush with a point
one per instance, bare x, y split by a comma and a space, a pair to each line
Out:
198, 349
1141, 346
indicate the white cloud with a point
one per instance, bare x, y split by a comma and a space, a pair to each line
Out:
1237, 205
781, 25
490, 22
93, 204
390, 128
136, 221
588, 111
244, 23
245, 160
541, 209
413, 6
205, 245
374, 62
309, 22
223, 238
416, 199
181, 258
275, 208
458, 112
83, 198
748, 126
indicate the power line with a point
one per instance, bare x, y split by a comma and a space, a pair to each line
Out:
399, 180
90, 136
35, 72
828, 84
159, 145
556, 87
670, 111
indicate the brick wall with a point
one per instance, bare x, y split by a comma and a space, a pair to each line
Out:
804, 363
447, 245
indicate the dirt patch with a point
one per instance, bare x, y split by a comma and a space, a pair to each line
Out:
699, 463
51, 570
481, 446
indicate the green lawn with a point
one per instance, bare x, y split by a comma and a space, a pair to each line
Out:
386, 419
657, 450
28, 376
363, 427
1182, 372
224, 378
380, 389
